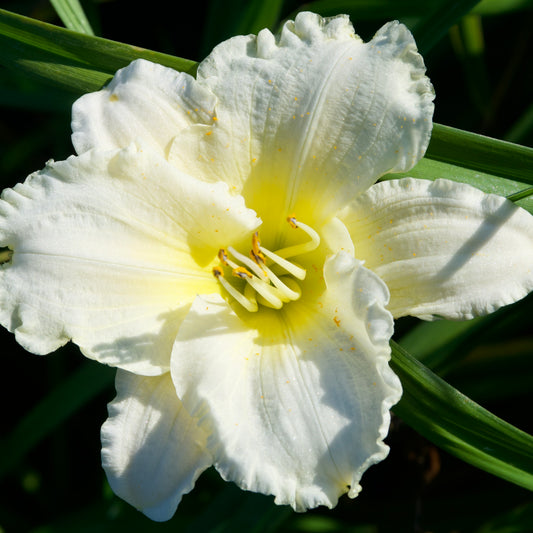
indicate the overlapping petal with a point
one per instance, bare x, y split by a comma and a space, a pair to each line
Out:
443, 248
296, 402
109, 250
143, 102
313, 117
152, 449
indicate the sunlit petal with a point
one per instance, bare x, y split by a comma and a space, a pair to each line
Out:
152, 449
143, 102
109, 250
443, 248
296, 401
313, 117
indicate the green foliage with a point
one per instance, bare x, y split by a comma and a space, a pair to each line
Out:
72, 15
70, 60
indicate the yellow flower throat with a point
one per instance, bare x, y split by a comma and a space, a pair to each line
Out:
263, 285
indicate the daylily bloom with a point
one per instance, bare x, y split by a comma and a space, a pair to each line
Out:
270, 365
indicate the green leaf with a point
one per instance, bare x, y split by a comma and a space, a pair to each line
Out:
430, 169
458, 425
494, 166
71, 60
481, 153
72, 15
72, 394
521, 195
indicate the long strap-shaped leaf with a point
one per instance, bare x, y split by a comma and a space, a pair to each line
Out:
72, 15
478, 152
73, 61
460, 426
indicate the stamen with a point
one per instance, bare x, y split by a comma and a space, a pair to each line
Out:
252, 265
255, 252
285, 291
262, 284
241, 272
249, 303
303, 248
223, 256
291, 268
267, 292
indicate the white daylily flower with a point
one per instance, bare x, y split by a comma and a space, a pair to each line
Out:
278, 375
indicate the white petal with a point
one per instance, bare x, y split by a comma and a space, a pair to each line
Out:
109, 251
443, 248
144, 101
296, 401
313, 117
152, 449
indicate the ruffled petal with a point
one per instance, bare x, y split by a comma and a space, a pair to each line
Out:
109, 250
296, 401
311, 118
152, 450
144, 101
444, 249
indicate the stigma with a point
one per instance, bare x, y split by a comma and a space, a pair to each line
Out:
269, 277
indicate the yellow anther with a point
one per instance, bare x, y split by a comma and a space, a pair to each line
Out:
256, 243
217, 272
292, 221
223, 257
255, 252
258, 257
299, 249
255, 267
241, 272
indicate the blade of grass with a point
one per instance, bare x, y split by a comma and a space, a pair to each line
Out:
72, 15
458, 425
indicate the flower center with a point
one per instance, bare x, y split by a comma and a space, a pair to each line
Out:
269, 276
